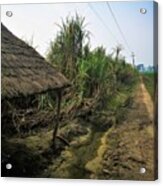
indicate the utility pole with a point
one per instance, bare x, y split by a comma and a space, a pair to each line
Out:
133, 58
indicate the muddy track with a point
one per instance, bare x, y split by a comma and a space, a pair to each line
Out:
130, 144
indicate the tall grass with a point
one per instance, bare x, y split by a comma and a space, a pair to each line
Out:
94, 73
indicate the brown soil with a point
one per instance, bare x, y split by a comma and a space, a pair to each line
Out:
117, 151
130, 144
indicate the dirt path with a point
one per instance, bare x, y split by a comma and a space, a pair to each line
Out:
130, 145
146, 100
118, 153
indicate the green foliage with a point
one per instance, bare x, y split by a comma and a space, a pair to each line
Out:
126, 74
46, 101
68, 45
93, 73
149, 79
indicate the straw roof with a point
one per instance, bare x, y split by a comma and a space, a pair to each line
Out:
24, 71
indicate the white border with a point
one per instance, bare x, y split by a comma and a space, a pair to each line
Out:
61, 182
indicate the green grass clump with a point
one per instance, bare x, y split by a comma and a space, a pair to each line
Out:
149, 79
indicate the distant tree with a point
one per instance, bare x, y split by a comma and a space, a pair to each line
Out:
117, 50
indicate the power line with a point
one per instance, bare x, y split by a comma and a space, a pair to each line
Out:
105, 25
118, 26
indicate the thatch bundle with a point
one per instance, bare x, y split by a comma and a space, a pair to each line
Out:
24, 71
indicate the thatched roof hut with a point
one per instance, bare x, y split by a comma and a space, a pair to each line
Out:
24, 71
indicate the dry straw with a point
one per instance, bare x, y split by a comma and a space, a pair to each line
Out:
24, 71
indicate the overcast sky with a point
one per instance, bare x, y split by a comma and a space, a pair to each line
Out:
39, 21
